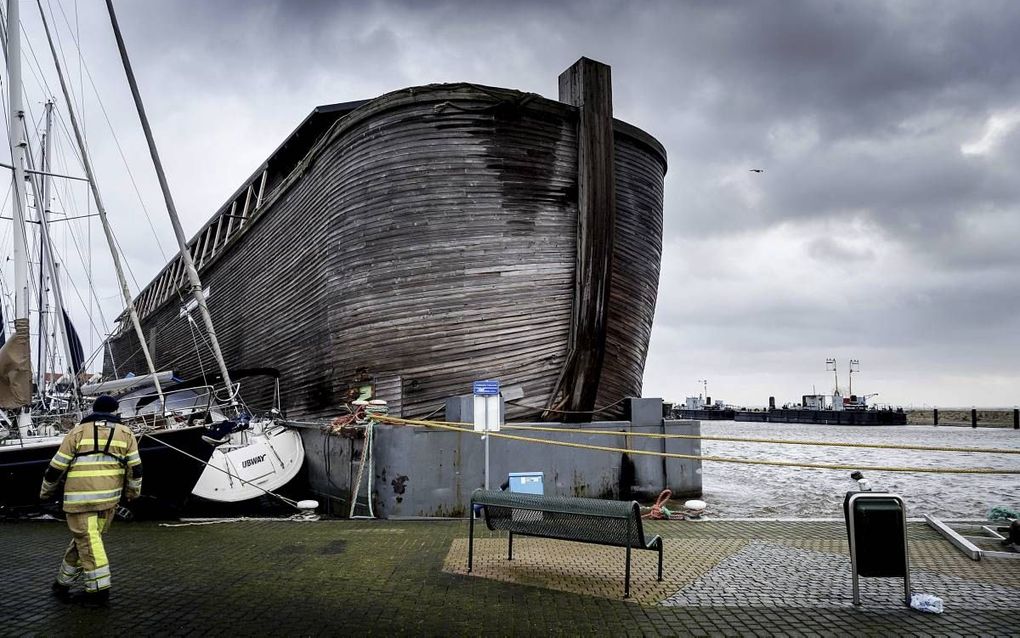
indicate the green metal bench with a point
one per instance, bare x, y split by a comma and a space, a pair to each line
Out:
585, 520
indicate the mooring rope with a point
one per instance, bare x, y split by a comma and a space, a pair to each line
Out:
301, 518
737, 439
697, 457
366, 453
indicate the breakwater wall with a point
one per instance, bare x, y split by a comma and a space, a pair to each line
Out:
974, 417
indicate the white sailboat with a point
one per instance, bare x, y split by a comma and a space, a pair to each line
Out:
31, 423
149, 402
258, 455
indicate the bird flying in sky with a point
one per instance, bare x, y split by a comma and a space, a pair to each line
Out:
757, 170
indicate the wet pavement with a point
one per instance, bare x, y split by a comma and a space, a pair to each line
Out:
384, 577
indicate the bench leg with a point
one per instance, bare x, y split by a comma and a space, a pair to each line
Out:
660, 560
626, 581
471, 537
510, 548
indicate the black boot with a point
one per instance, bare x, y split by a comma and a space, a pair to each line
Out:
63, 592
100, 598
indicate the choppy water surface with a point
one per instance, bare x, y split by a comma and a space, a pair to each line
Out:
760, 491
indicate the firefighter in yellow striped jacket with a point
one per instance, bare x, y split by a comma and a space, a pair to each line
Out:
100, 459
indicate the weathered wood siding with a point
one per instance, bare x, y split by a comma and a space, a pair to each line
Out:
427, 241
637, 255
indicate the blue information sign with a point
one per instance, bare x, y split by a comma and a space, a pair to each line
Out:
488, 388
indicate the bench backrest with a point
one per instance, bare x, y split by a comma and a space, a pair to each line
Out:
581, 519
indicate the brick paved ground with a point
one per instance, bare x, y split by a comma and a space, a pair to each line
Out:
289, 578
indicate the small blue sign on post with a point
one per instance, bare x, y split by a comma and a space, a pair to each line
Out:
527, 482
488, 388
487, 415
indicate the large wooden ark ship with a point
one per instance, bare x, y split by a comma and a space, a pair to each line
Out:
427, 238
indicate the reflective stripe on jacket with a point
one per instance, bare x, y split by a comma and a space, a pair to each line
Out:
100, 459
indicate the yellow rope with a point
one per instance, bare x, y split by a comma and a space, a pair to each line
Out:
736, 439
883, 446
823, 466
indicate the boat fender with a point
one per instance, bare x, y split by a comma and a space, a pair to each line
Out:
307, 504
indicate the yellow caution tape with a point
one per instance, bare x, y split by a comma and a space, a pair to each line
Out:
722, 459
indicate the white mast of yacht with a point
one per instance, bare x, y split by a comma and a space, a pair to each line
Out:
41, 186
19, 142
44, 285
182, 241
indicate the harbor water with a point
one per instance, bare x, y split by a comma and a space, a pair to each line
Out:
761, 491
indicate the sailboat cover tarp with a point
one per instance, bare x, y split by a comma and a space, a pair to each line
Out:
77, 366
127, 383
16, 368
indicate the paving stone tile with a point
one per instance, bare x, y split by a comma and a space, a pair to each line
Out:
387, 578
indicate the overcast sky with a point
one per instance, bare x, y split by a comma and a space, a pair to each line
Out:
885, 226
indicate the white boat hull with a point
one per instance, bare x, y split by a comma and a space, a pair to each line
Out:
266, 457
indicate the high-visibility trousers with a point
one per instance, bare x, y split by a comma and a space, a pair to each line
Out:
86, 556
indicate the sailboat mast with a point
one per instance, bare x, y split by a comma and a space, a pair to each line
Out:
18, 145
41, 369
182, 242
41, 185
100, 208
18, 140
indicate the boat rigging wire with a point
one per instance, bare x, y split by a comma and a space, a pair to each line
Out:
106, 116
182, 242
44, 85
70, 204
63, 124
70, 279
93, 187
31, 172
194, 340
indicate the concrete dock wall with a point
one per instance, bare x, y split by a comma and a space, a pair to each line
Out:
431, 473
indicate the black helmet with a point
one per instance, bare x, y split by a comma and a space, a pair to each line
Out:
105, 403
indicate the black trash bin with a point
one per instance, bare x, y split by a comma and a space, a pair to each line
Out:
876, 527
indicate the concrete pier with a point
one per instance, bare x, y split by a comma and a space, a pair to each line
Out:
421, 472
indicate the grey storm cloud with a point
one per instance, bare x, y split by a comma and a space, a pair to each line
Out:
889, 132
